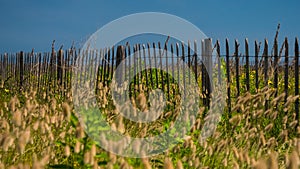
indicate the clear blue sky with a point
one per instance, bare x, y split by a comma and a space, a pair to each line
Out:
35, 23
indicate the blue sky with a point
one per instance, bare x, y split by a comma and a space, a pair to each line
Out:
35, 23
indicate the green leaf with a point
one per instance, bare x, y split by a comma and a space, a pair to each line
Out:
74, 120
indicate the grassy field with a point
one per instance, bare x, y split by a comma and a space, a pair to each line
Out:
39, 130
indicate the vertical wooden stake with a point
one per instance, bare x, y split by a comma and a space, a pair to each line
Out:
228, 76
247, 65
286, 69
237, 67
297, 78
256, 65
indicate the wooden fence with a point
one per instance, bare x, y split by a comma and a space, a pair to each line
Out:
270, 66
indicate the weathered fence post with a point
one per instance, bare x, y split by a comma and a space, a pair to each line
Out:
104, 68
218, 57
145, 66
150, 64
196, 61
167, 69
228, 76
108, 65
52, 62
128, 54
286, 69
113, 60
247, 65
135, 66
237, 67
92, 63
266, 64
256, 65
59, 66
189, 60
4, 70
207, 64
297, 78
173, 78
119, 58
140, 65
161, 67
183, 68
39, 71
178, 69
21, 68
101, 67
266, 67
276, 60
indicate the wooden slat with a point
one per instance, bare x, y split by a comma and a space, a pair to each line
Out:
266, 62
167, 69
218, 61
59, 66
189, 60
21, 68
256, 65
145, 66
173, 73
178, 68
112, 61
155, 64
286, 69
207, 59
140, 63
129, 62
150, 64
161, 67
228, 77
196, 61
276, 60
247, 65
297, 78
135, 65
183, 68
237, 67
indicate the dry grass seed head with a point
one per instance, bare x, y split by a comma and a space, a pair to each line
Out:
235, 165
293, 162
273, 163
278, 99
36, 126
66, 110
235, 120
293, 124
79, 132
67, 150
12, 103
269, 127
4, 125
93, 150
261, 164
7, 142
146, 163
285, 119
262, 138
273, 115
23, 139
86, 158
168, 164
77, 147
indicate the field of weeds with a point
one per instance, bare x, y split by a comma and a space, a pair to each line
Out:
40, 130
